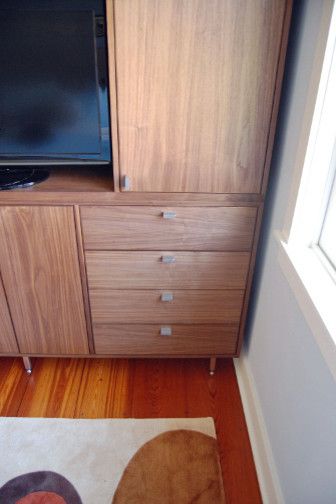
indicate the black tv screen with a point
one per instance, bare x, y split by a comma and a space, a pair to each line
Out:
53, 86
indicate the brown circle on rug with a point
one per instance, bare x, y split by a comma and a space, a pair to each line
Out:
179, 466
42, 498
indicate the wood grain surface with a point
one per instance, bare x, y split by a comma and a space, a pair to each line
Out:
83, 277
147, 270
146, 339
46, 195
40, 271
112, 92
195, 88
13, 384
7, 337
144, 228
146, 306
149, 388
72, 180
53, 388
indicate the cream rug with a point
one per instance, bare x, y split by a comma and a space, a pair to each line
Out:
58, 461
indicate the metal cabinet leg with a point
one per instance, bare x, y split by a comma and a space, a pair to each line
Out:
27, 364
212, 366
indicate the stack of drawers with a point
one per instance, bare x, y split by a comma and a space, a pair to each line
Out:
167, 281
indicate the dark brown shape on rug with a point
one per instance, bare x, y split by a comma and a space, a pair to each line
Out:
176, 467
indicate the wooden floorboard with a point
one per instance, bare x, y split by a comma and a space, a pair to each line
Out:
140, 388
105, 390
53, 388
13, 384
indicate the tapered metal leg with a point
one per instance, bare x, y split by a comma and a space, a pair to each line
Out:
27, 364
212, 366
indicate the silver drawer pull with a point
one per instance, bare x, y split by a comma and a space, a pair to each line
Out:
167, 259
167, 296
168, 214
126, 183
166, 331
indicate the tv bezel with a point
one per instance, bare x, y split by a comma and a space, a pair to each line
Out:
15, 161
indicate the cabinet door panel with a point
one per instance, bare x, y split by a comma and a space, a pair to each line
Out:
39, 264
7, 338
195, 87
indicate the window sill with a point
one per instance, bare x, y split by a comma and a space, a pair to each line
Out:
315, 292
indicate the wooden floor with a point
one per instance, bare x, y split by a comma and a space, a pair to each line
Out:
100, 388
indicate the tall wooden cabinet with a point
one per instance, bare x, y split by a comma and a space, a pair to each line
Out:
160, 264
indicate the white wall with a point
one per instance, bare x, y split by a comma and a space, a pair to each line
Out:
295, 389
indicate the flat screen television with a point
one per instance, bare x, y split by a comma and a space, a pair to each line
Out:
54, 106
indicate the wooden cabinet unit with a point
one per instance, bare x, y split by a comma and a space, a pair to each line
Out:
160, 264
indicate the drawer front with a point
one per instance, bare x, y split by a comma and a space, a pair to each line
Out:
177, 270
142, 339
156, 228
150, 306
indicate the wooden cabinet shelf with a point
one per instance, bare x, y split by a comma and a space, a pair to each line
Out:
74, 179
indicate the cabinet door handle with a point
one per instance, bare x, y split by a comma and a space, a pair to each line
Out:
168, 214
126, 183
166, 297
166, 331
168, 259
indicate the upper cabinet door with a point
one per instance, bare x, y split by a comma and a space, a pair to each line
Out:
195, 84
40, 271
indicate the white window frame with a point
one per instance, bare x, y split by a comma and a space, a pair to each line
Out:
306, 268
329, 216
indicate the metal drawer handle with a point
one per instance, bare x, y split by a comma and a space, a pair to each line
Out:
126, 183
166, 331
168, 259
168, 214
167, 297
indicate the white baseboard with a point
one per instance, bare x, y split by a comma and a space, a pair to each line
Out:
262, 452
